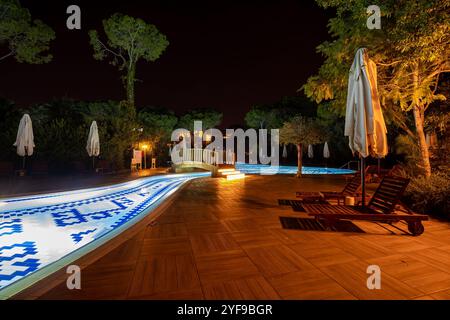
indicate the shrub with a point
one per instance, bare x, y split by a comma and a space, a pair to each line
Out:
61, 130
431, 195
9, 122
116, 123
409, 149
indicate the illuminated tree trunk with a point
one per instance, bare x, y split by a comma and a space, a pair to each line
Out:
299, 160
423, 147
129, 83
419, 117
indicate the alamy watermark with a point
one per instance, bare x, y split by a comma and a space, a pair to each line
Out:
374, 280
374, 20
255, 145
74, 279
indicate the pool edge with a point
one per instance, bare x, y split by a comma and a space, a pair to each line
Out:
50, 276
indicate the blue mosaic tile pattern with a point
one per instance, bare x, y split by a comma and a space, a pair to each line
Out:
77, 237
15, 260
36, 231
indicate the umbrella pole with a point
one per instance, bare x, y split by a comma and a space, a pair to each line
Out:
363, 182
23, 162
379, 167
93, 163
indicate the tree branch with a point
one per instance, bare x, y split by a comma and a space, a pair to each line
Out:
111, 51
403, 125
4, 11
7, 55
388, 64
436, 84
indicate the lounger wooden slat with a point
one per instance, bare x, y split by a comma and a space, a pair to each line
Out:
387, 194
350, 189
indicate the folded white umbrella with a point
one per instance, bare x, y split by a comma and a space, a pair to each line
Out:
326, 151
364, 122
285, 154
25, 138
93, 141
310, 152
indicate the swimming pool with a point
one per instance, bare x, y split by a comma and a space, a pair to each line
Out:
266, 169
38, 231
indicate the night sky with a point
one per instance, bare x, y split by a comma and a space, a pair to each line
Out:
227, 55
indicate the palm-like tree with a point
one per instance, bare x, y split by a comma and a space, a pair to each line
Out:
301, 131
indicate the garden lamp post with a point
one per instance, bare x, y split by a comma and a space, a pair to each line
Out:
144, 149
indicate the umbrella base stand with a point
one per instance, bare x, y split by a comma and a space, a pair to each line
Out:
23, 171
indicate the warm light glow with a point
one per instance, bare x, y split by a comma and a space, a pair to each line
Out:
235, 176
144, 147
226, 170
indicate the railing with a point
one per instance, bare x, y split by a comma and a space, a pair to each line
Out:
197, 156
348, 165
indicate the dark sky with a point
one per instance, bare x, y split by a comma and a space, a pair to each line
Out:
227, 55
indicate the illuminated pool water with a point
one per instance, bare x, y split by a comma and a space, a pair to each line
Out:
37, 231
266, 169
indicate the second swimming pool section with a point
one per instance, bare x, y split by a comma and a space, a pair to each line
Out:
268, 170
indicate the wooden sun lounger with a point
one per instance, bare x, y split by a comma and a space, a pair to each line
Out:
350, 189
381, 207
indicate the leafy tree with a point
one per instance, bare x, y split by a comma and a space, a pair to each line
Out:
210, 119
301, 131
59, 133
157, 129
128, 41
262, 117
9, 121
25, 39
411, 50
117, 123
61, 130
272, 116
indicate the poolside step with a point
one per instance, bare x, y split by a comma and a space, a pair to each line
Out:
236, 176
230, 174
226, 170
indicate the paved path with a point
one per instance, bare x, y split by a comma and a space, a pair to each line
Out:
224, 240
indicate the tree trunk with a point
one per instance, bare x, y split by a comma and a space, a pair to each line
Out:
419, 118
299, 160
423, 147
129, 84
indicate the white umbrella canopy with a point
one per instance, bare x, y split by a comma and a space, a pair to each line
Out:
364, 122
326, 151
25, 138
93, 141
310, 152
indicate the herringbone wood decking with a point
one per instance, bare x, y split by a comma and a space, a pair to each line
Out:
224, 240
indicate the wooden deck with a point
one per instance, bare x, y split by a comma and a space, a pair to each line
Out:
224, 240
